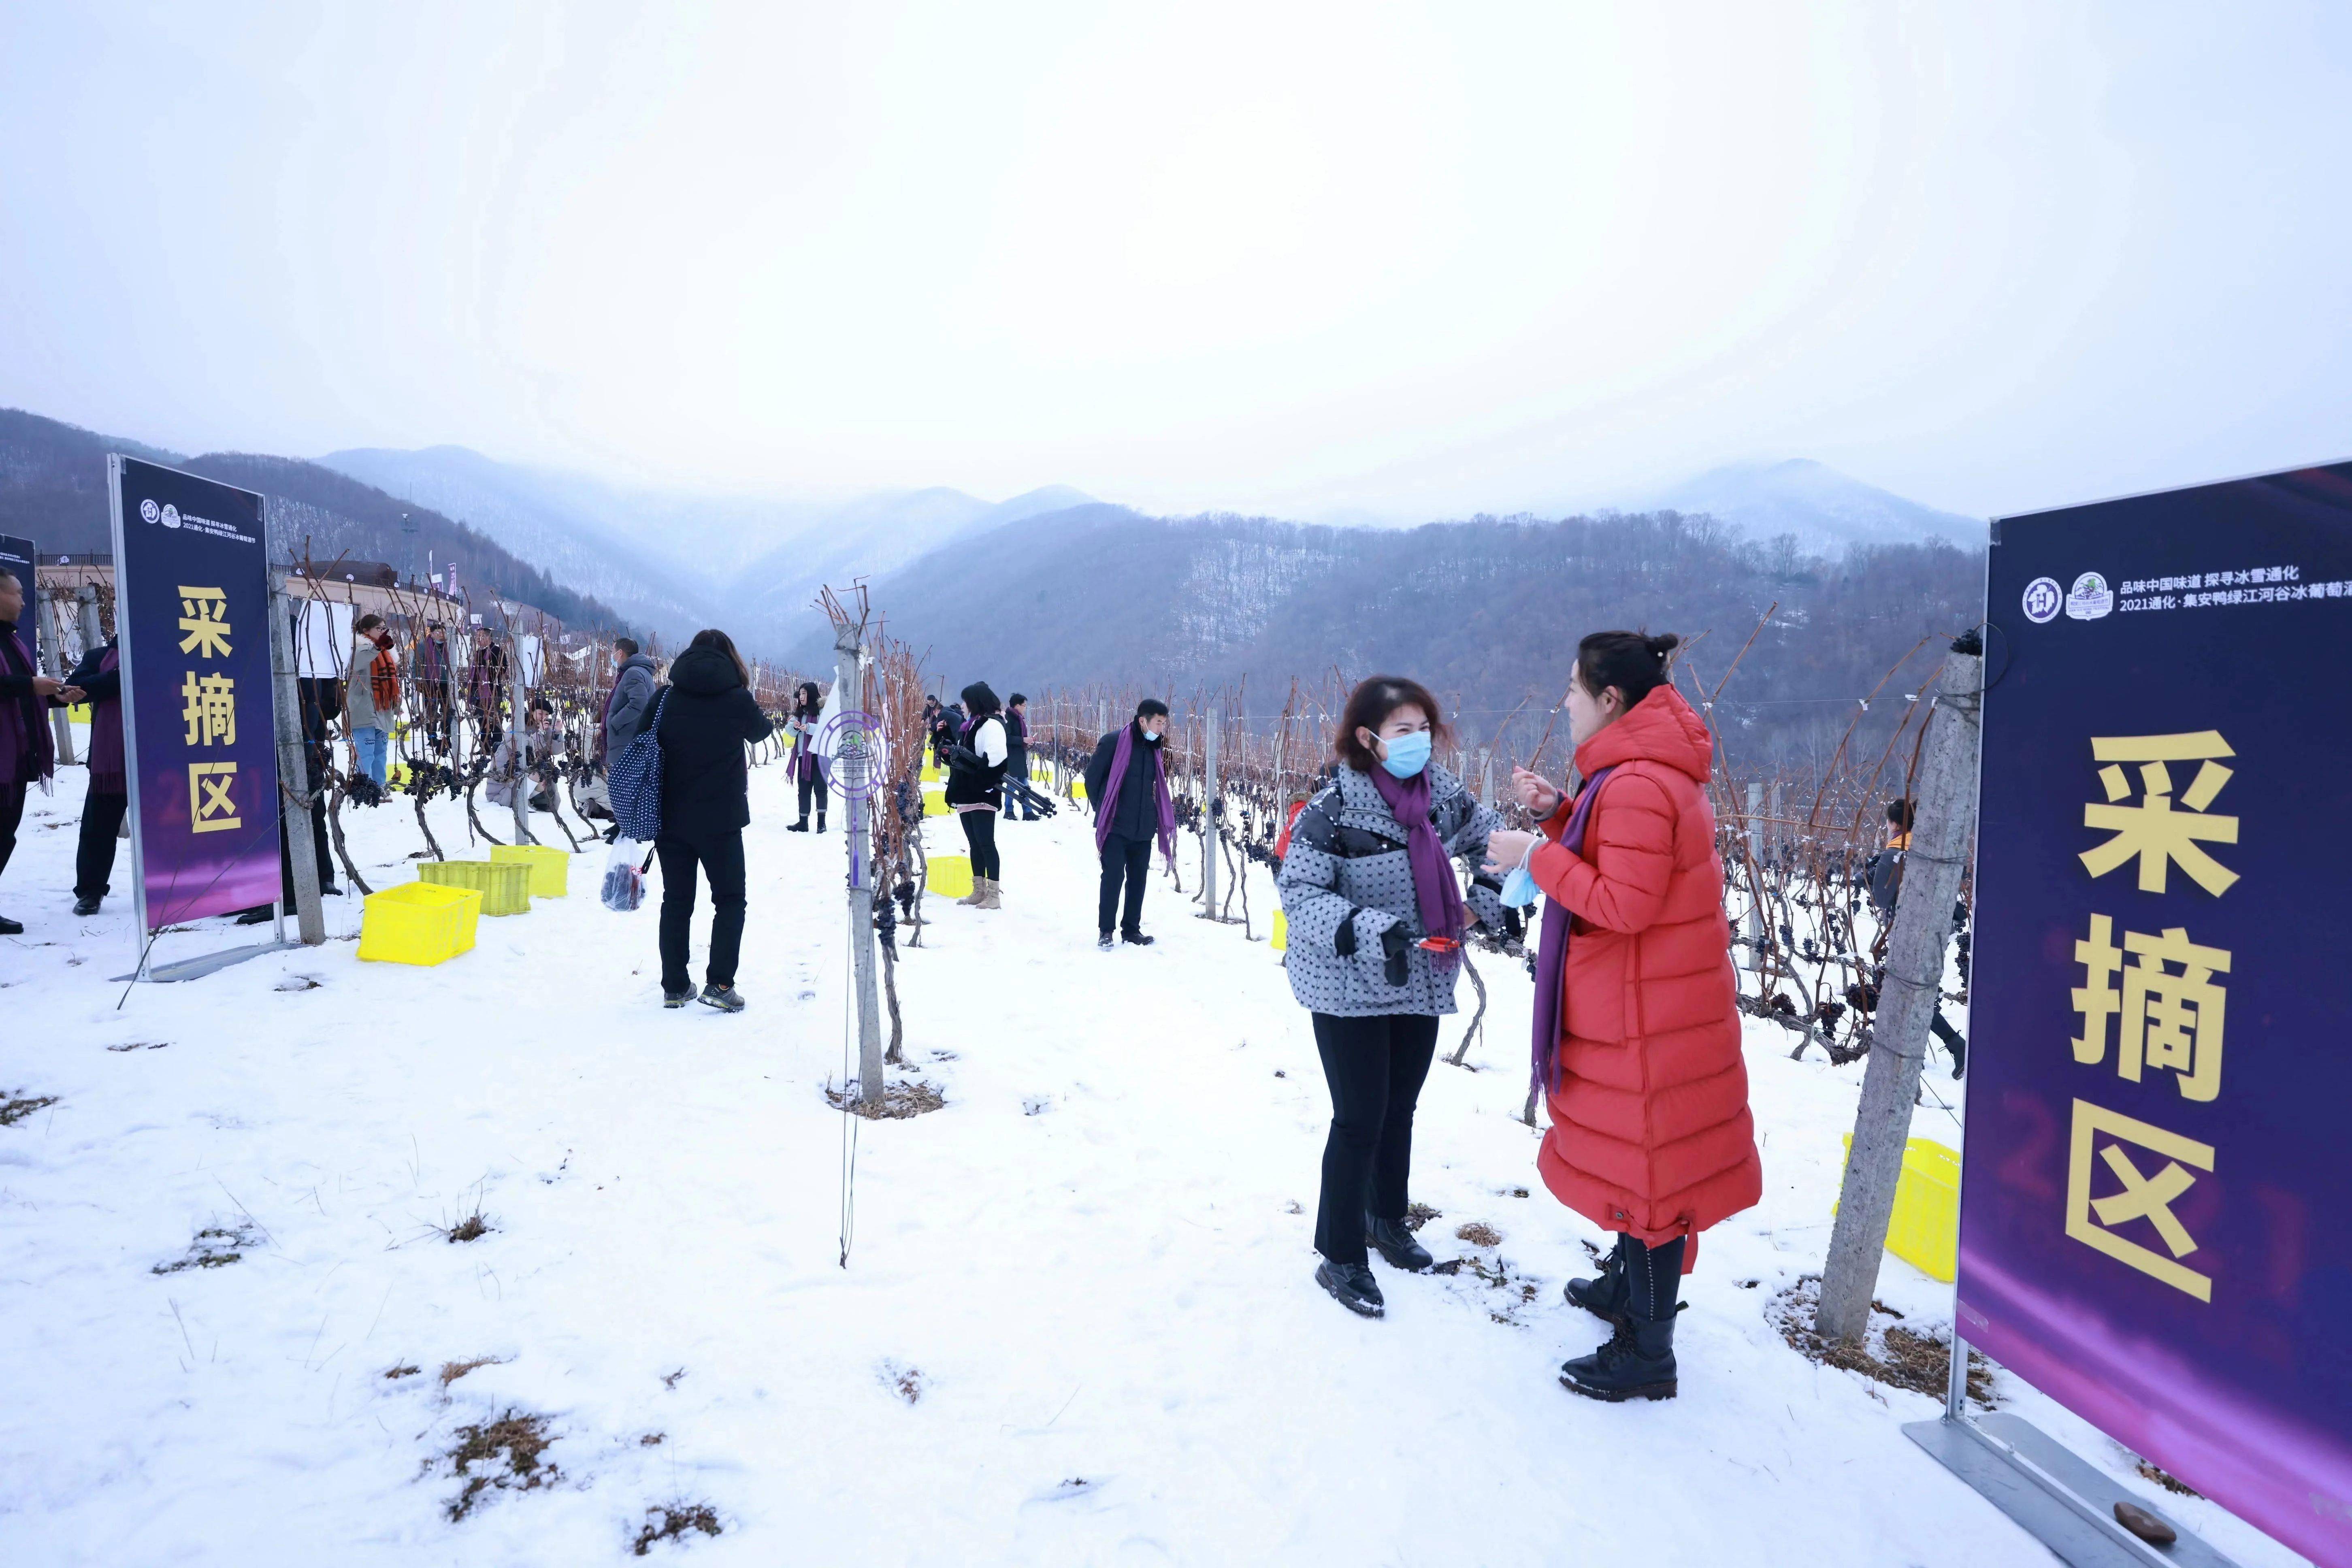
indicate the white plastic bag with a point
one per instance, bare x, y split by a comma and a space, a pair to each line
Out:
624, 885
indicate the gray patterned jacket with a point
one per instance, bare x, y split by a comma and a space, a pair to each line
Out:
1348, 857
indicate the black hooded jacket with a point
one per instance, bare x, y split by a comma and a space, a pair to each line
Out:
708, 717
1136, 813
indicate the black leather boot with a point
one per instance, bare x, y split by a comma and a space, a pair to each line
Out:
820, 822
1638, 1362
1397, 1244
1604, 1297
1353, 1287
800, 827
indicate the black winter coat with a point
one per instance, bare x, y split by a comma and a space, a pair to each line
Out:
1016, 745
1136, 813
707, 719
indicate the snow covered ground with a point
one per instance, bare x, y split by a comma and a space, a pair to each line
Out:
1076, 1325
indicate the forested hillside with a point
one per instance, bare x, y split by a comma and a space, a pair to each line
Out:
53, 491
1487, 611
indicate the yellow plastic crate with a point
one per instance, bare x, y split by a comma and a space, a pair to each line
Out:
1281, 929
1925, 1231
79, 713
950, 876
935, 803
1078, 789
418, 923
505, 887
931, 773
550, 870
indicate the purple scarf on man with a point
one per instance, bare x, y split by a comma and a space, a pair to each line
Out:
106, 774
1106, 808
27, 751
1435, 889
1551, 946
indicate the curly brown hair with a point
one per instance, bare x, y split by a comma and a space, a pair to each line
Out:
1368, 707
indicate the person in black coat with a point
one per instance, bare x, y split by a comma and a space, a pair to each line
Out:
707, 716
1016, 761
1134, 817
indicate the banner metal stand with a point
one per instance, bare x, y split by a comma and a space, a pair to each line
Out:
2049, 1491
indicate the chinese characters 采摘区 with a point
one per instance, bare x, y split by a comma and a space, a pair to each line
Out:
2169, 1013
2140, 1195
209, 710
203, 613
2152, 831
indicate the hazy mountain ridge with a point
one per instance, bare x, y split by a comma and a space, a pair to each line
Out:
1487, 611
53, 491
1825, 510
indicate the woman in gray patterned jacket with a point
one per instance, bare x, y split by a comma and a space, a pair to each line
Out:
1377, 921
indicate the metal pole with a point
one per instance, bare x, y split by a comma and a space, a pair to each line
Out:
1943, 827
1209, 816
293, 769
1755, 874
855, 765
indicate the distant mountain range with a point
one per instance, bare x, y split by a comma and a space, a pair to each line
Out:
1825, 510
675, 561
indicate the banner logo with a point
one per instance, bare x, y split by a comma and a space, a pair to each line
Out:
149, 510
2043, 600
2090, 598
171, 515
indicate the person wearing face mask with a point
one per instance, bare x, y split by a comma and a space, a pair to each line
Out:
1377, 919
1127, 781
1636, 1018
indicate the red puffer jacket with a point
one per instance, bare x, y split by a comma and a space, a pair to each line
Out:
1650, 1128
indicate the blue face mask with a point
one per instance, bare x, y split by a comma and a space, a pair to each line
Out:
1519, 888
1153, 739
1408, 755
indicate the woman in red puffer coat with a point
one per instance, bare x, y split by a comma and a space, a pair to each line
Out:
1651, 1135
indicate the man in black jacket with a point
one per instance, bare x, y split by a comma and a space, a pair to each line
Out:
1017, 760
706, 718
1133, 817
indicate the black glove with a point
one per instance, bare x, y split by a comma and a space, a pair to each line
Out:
1343, 940
1392, 949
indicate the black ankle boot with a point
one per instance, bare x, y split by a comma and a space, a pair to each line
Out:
820, 822
1638, 1362
1397, 1244
1604, 1297
1352, 1286
800, 827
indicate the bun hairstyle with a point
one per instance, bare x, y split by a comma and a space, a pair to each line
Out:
1368, 707
1635, 663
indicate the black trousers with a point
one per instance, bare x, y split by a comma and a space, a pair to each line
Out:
719, 857
1016, 771
12, 812
1128, 860
1375, 1068
813, 782
101, 819
980, 832
323, 852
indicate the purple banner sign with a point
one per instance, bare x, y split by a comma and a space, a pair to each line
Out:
2155, 1223
192, 604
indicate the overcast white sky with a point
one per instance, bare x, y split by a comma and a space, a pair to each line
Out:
1412, 260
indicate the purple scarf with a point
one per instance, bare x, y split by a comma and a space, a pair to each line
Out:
1433, 884
27, 751
106, 774
1107, 806
1551, 946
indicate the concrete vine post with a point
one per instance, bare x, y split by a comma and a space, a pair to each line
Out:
294, 798
518, 728
1943, 827
854, 767
1209, 817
